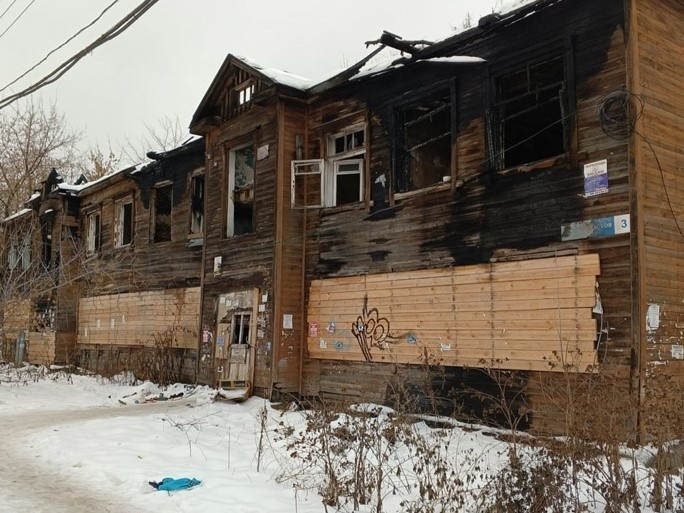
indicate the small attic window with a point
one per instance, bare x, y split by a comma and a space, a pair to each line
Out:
244, 93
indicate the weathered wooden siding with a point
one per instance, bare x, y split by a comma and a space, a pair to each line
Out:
246, 260
165, 318
289, 254
144, 264
658, 141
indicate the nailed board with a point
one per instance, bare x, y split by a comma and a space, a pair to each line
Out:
527, 315
140, 318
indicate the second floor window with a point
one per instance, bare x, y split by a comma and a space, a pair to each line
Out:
19, 255
163, 205
197, 206
123, 223
423, 142
240, 215
527, 122
94, 224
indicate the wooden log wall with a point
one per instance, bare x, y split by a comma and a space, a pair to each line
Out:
167, 318
658, 142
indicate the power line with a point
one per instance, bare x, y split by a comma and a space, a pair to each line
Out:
60, 70
60, 46
17, 18
5, 11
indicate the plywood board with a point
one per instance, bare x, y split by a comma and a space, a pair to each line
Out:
534, 315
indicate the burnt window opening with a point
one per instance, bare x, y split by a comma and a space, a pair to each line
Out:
94, 235
124, 222
197, 206
423, 145
527, 122
46, 239
163, 206
241, 191
44, 319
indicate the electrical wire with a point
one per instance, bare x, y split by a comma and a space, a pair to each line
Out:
5, 11
60, 46
17, 18
60, 70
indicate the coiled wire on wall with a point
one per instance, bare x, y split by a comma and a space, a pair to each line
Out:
619, 112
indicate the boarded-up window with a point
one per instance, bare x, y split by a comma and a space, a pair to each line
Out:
527, 122
163, 205
123, 225
93, 233
197, 206
307, 183
423, 148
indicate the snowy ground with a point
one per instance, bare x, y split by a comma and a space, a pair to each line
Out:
81, 444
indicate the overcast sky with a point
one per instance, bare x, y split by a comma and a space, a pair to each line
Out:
163, 64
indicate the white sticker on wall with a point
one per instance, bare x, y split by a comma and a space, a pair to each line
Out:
653, 318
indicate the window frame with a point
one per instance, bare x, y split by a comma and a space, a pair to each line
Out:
93, 237
525, 59
294, 169
400, 175
197, 232
19, 253
336, 172
119, 220
230, 191
155, 215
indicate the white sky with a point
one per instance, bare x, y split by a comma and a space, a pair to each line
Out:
164, 63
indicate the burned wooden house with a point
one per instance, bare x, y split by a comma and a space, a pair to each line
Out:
503, 199
142, 232
38, 291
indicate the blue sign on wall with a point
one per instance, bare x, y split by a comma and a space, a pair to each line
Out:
594, 228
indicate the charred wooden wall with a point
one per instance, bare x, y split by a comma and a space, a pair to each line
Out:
483, 216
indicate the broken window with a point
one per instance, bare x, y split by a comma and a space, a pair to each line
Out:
423, 148
197, 205
44, 319
307, 184
163, 205
94, 225
347, 181
241, 191
46, 237
19, 255
123, 225
527, 121
241, 322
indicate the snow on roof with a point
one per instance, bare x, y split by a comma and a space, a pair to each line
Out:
79, 188
22, 212
280, 76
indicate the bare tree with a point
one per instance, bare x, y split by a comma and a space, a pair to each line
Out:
98, 162
33, 139
166, 134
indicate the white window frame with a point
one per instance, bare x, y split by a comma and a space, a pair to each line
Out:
94, 235
354, 150
332, 190
298, 168
244, 93
118, 226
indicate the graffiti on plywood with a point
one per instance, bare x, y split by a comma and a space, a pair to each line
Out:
371, 330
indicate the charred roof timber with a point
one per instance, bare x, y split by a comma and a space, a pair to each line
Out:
396, 42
